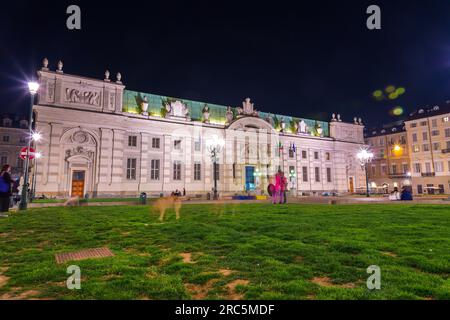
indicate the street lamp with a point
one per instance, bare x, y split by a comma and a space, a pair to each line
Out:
33, 87
214, 146
37, 156
365, 157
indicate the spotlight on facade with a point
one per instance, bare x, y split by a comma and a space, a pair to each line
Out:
36, 136
33, 87
397, 148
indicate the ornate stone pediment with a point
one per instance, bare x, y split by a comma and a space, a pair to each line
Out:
80, 151
177, 109
80, 137
248, 109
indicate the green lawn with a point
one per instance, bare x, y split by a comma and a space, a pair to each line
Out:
252, 251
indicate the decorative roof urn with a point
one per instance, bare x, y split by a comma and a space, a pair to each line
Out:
144, 106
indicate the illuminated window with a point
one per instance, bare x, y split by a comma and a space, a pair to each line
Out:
416, 148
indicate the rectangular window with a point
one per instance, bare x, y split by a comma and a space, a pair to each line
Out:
417, 168
177, 170
394, 169
427, 167
383, 169
425, 136
382, 153
131, 168
441, 189
317, 174
132, 141
434, 123
403, 140
197, 171
381, 142
305, 174
414, 137
374, 171
436, 146
304, 154
423, 123
291, 153
328, 156
234, 171
435, 133
177, 145
316, 155
445, 119
413, 125
198, 145
3, 160
5, 138
416, 148
22, 140
419, 189
328, 174
447, 133
154, 169
438, 166
426, 147
405, 168
156, 143
448, 144
269, 150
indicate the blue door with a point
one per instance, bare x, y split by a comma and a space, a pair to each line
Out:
249, 178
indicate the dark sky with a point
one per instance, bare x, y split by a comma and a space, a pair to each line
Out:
307, 59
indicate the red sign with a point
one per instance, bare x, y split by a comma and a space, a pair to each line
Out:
23, 153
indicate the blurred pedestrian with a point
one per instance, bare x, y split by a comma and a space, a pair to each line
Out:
5, 189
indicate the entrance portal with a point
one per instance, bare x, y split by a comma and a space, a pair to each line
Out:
78, 184
249, 178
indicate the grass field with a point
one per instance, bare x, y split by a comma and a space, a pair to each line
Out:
241, 251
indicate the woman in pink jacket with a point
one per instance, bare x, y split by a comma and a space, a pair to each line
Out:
276, 195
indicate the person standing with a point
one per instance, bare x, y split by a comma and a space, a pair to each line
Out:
283, 188
5, 189
276, 194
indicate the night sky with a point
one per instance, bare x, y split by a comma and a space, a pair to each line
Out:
307, 60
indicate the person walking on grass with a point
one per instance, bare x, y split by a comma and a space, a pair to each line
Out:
5, 189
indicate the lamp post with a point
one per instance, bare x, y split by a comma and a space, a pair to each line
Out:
214, 146
33, 87
365, 157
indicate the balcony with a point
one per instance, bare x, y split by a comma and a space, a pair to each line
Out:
428, 174
398, 176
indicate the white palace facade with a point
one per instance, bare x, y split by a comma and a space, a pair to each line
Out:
101, 140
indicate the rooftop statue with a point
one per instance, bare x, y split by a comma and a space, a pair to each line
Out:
247, 109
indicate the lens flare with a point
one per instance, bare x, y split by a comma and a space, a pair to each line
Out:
390, 89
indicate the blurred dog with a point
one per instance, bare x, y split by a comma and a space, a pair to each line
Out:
74, 201
162, 204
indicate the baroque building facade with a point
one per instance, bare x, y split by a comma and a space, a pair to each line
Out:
101, 140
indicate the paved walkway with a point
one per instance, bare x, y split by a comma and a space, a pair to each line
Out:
299, 200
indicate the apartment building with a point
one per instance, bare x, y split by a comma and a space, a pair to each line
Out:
428, 133
391, 166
